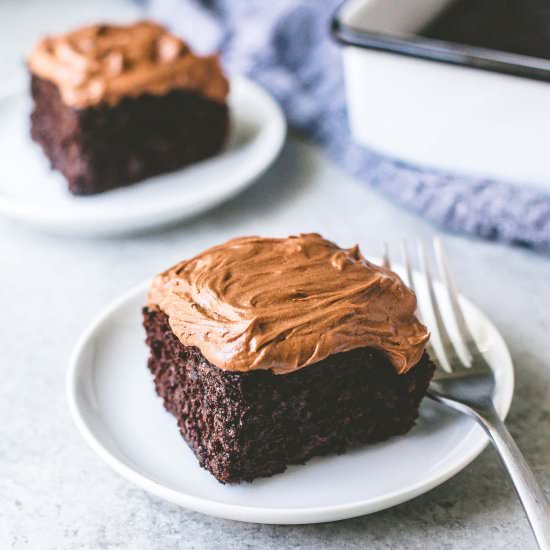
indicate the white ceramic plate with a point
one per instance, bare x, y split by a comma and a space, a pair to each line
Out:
114, 405
32, 193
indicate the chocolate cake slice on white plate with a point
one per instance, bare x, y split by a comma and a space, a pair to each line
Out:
271, 351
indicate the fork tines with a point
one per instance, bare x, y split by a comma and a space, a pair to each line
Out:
441, 305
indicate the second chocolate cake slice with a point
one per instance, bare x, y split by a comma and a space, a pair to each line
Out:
271, 351
114, 105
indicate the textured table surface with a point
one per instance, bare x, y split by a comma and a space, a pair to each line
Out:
56, 494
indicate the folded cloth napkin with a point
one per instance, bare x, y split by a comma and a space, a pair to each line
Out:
285, 46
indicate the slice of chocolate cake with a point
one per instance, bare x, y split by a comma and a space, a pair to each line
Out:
271, 351
114, 105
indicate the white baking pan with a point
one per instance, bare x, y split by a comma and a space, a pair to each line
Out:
435, 103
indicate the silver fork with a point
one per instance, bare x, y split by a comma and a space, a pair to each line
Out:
467, 384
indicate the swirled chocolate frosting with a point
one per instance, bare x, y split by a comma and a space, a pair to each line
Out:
283, 304
104, 63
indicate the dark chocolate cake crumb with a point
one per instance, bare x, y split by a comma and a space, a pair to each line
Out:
102, 147
242, 426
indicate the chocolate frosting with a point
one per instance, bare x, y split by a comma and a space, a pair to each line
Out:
282, 304
104, 63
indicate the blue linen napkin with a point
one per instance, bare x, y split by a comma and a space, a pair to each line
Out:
285, 46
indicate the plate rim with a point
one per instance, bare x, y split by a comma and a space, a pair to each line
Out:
255, 514
84, 224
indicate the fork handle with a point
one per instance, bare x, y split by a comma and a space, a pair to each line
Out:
529, 491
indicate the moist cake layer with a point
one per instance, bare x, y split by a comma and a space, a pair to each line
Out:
102, 147
245, 425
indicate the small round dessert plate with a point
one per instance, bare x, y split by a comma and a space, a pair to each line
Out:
113, 402
31, 192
